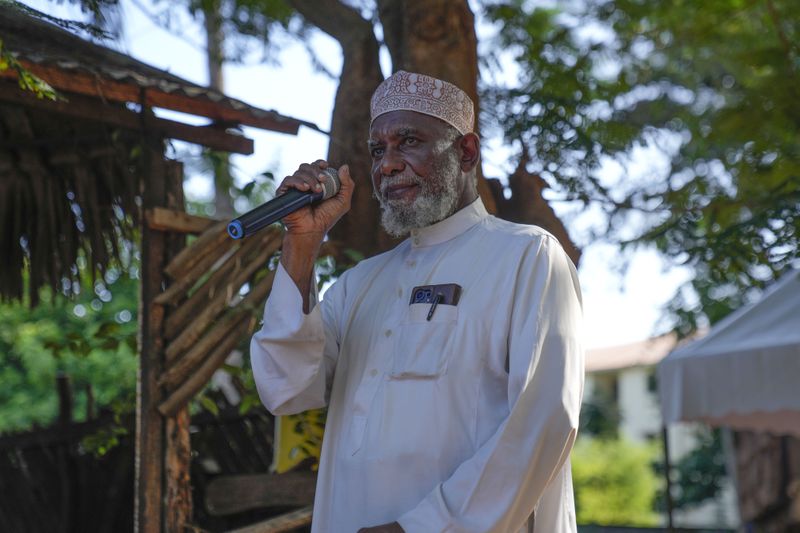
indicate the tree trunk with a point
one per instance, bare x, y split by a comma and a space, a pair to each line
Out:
220, 162
527, 205
360, 228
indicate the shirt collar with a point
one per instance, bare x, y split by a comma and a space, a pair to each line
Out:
451, 227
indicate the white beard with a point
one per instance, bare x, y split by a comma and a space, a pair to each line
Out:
436, 199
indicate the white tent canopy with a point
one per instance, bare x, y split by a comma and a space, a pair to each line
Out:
745, 373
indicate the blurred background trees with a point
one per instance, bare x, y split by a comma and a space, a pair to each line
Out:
710, 87
673, 125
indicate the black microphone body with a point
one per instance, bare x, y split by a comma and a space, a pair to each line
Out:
280, 206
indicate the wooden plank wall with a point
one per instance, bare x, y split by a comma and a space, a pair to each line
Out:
49, 483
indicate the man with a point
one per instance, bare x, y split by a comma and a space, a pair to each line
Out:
452, 363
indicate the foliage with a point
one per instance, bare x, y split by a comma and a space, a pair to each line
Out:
91, 338
614, 483
27, 80
106, 438
698, 475
96, 7
600, 415
247, 26
713, 86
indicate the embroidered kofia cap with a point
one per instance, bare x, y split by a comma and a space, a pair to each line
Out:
408, 91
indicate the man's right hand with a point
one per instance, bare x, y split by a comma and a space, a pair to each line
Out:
314, 221
306, 227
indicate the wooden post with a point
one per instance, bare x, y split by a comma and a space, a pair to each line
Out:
64, 399
178, 457
158, 443
178, 453
89, 402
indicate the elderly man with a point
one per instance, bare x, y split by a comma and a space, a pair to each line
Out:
452, 365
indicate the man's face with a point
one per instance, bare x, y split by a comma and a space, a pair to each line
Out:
416, 173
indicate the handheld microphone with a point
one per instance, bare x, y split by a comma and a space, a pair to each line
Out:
280, 206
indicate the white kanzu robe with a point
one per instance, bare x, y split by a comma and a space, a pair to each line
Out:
461, 423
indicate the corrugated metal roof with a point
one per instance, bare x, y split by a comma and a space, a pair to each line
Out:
39, 42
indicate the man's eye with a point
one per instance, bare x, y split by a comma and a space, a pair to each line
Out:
377, 152
410, 140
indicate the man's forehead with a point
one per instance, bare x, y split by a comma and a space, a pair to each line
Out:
397, 122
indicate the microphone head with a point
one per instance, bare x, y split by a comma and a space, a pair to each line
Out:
331, 185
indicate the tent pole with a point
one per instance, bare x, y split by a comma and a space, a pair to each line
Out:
667, 471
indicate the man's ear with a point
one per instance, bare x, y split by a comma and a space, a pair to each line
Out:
470, 146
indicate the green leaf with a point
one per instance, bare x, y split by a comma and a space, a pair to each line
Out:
107, 329
247, 190
247, 403
110, 344
354, 255
209, 405
132, 343
232, 370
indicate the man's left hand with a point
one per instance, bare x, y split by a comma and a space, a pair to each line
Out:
394, 527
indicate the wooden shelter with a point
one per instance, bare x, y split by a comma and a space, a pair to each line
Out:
81, 174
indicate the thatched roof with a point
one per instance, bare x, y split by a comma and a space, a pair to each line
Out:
71, 171
60, 184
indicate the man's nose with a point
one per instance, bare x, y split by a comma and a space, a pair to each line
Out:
391, 162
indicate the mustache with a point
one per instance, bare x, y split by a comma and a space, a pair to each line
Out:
402, 180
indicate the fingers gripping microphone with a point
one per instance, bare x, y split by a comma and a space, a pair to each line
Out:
280, 206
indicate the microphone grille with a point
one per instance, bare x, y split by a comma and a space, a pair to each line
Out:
331, 185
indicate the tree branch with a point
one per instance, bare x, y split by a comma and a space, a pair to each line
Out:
776, 20
338, 20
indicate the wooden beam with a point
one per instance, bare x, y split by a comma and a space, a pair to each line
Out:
92, 109
180, 370
220, 340
190, 256
178, 291
181, 396
280, 524
178, 507
163, 219
227, 327
220, 301
227, 495
162, 451
150, 425
117, 91
177, 510
217, 290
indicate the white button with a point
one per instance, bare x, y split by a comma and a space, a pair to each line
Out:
388, 333
416, 241
373, 372
399, 292
411, 263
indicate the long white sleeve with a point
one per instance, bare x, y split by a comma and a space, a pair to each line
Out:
497, 488
293, 355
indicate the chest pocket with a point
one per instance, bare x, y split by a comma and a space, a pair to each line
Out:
424, 346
